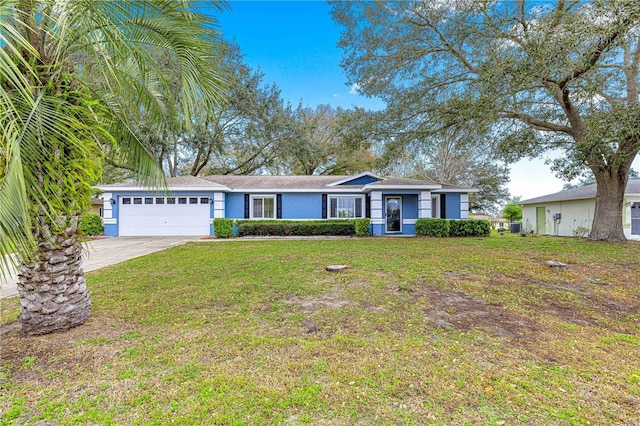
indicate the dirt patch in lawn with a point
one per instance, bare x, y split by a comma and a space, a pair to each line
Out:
458, 310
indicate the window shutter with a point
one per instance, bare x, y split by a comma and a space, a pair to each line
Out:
443, 206
246, 206
278, 206
367, 206
324, 206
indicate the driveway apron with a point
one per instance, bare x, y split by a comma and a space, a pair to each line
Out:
109, 251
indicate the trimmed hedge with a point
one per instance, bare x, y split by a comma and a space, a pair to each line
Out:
432, 228
295, 227
91, 224
362, 227
452, 228
469, 228
223, 228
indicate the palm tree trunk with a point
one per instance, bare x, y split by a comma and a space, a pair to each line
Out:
52, 287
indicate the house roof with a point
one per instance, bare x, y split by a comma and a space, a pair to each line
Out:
582, 193
286, 183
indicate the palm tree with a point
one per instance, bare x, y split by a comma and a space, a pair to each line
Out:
73, 75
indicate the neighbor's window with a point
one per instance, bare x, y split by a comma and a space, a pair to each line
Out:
263, 207
345, 207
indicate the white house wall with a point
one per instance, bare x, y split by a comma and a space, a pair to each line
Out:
575, 214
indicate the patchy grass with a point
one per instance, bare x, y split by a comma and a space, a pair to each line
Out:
439, 331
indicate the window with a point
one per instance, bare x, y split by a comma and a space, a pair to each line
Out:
137, 200
148, 200
204, 200
182, 200
193, 200
341, 207
263, 207
126, 200
171, 200
160, 200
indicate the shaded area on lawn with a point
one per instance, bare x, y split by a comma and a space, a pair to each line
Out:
415, 331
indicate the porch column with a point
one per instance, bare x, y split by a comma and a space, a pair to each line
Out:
424, 205
464, 206
108, 220
218, 205
377, 221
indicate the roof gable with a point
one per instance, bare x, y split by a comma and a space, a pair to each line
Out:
364, 178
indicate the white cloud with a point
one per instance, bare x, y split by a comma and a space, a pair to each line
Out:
355, 89
336, 95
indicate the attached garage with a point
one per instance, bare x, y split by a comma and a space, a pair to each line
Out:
161, 216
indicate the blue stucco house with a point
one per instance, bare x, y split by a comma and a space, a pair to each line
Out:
190, 205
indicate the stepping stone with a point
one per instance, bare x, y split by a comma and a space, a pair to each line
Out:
335, 268
556, 265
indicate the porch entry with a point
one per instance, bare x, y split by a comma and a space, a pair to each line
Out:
393, 214
635, 219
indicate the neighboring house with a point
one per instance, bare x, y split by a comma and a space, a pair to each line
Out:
192, 203
570, 213
496, 222
97, 205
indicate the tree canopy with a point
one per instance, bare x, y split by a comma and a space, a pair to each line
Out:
535, 75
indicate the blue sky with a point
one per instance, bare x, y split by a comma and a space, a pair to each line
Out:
295, 44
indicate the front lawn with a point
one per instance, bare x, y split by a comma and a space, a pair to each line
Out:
415, 331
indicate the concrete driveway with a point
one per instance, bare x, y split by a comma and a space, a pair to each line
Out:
109, 251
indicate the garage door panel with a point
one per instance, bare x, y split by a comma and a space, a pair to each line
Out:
164, 219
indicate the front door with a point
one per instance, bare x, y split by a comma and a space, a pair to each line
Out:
394, 214
635, 219
541, 220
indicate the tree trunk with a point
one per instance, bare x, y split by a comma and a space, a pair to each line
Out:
53, 292
607, 218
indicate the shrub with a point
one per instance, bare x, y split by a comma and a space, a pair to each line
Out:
469, 228
432, 227
223, 228
362, 227
295, 227
91, 224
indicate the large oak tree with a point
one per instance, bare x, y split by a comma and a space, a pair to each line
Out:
546, 75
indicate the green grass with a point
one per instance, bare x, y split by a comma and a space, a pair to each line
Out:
415, 331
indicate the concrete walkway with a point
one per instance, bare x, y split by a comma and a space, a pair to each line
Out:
109, 251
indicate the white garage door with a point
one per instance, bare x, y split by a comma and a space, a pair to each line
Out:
154, 216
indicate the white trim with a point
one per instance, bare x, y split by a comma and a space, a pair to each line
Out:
459, 191
377, 221
110, 221
363, 203
376, 204
107, 214
376, 195
386, 219
350, 178
464, 198
159, 190
218, 196
377, 186
218, 214
263, 196
296, 190
409, 221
